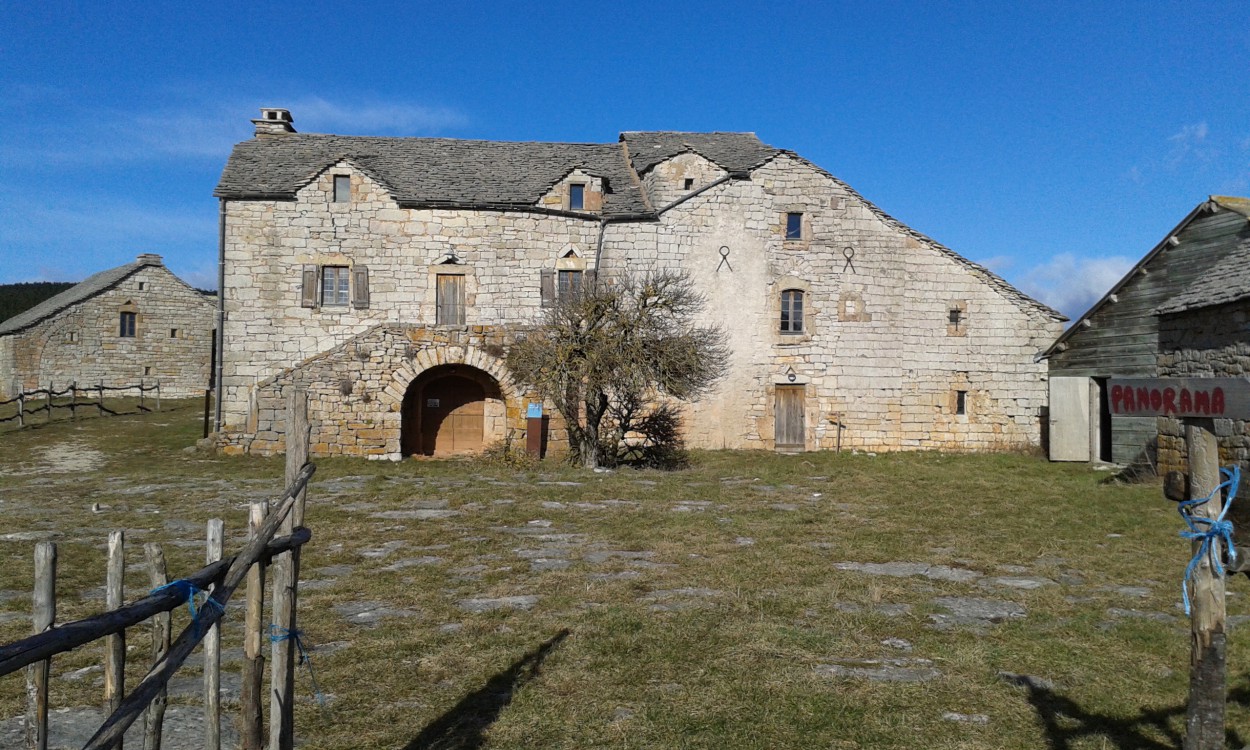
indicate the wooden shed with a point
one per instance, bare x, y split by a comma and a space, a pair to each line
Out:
1119, 337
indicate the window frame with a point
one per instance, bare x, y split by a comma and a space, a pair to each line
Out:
127, 324
341, 189
577, 190
961, 403
787, 319
576, 278
340, 292
794, 226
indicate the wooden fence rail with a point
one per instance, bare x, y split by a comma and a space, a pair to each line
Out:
221, 576
49, 396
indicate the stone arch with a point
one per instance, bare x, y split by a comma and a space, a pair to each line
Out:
452, 409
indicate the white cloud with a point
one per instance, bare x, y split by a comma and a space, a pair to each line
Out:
199, 128
1072, 284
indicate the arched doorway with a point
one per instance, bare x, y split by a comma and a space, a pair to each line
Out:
449, 410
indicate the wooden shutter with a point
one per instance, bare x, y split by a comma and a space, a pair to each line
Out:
548, 286
308, 292
360, 287
449, 296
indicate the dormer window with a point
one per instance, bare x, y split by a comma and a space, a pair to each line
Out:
577, 196
342, 188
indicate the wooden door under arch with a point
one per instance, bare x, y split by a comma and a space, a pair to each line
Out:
452, 416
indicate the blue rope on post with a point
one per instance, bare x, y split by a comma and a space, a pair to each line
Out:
1215, 528
278, 634
190, 592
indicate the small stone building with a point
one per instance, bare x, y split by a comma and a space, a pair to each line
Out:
388, 276
137, 322
1180, 312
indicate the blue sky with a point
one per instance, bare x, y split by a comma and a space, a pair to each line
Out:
1055, 142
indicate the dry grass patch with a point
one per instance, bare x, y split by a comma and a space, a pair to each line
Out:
466, 602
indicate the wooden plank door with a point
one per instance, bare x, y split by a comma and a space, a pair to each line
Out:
1069, 419
791, 430
453, 416
449, 296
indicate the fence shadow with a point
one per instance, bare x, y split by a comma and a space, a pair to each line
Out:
1065, 723
464, 725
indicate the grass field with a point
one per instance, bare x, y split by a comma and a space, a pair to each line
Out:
735, 604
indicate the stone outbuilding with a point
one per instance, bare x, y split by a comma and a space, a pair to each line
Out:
1181, 311
137, 322
388, 276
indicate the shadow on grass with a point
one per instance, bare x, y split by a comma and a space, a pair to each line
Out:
1066, 723
462, 727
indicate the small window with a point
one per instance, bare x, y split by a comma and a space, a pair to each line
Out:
794, 226
792, 311
449, 300
569, 284
334, 286
688, 184
147, 371
956, 317
127, 327
173, 333
71, 337
577, 196
342, 188
961, 402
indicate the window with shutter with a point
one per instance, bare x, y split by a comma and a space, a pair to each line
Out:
570, 284
449, 298
334, 286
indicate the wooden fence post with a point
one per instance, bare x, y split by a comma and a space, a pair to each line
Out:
48, 403
212, 650
100, 398
251, 708
115, 644
285, 582
44, 601
1204, 720
21, 409
141, 392
73, 400
161, 631
158, 394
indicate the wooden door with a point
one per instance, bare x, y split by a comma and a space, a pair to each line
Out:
791, 431
449, 296
453, 412
1069, 419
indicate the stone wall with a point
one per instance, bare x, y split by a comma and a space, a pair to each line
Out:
500, 254
666, 181
879, 356
1210, 342
356, 391
172, 342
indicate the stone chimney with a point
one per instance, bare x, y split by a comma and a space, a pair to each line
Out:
149, 259
274, 121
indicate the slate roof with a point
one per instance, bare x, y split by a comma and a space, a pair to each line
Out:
86, 289
734, 152
431, 172
1226, 281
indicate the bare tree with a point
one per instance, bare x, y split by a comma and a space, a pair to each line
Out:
609, 355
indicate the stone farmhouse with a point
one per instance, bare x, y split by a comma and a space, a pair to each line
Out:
1181, 311
389, 275
137, 322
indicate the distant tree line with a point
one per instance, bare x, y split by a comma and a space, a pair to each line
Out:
18, 298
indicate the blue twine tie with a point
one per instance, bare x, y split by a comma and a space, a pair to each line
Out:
190, 592
1215, 528
277, 634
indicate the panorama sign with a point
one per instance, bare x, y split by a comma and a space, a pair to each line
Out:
1179, 397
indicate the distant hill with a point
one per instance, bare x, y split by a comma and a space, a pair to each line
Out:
18, 298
